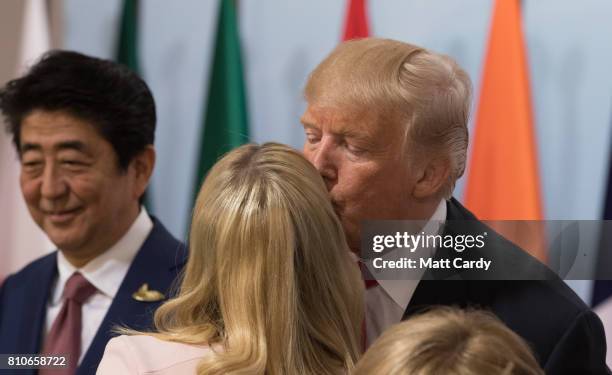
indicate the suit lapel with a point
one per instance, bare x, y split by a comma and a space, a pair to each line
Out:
441, 287
431, 293
34, 309
157, 263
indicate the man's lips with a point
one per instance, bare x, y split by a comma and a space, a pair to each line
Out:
62, 216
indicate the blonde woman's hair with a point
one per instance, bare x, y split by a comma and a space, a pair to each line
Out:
425, 92
449, 341
269, 281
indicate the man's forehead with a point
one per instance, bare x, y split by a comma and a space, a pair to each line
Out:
349, 121
56, 130
328, 114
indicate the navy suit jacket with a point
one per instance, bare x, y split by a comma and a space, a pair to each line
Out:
24, 295
566, 336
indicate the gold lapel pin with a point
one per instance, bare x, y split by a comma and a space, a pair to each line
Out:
143, 294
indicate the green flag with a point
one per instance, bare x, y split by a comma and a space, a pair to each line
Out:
127, 54
225, 119
127, 48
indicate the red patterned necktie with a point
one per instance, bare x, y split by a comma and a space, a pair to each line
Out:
65, 335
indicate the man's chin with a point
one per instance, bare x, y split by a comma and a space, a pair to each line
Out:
353, 240
63, 238
351, 229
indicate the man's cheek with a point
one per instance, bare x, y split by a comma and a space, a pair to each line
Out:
86, 188
30, 194
307, 152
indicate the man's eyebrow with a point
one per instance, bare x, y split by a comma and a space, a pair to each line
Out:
307, 125
71, 145
346, 133
305, 121
29, 147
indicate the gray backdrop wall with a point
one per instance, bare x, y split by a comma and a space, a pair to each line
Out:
569, 51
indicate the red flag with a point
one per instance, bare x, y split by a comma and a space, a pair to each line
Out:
356, 25
503, 182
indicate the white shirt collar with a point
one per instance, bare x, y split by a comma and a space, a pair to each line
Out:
400, 290
107, 270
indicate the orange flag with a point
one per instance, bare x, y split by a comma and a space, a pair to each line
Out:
356, 25
503, 181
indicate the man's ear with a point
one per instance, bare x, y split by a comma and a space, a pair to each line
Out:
142, 166
431, 178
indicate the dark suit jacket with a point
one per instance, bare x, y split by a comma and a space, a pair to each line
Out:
24, 295
566, 336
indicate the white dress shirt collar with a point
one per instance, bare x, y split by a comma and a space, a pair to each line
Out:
106, 271
400, 290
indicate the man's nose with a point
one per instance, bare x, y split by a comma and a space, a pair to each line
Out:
53, 184
325, 161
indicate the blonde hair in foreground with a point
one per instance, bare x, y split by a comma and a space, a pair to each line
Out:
269, 282
449, 341
427, 93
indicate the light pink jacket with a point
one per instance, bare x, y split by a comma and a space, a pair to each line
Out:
148, 355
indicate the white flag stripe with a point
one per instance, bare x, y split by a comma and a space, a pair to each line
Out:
22, 240
35, 39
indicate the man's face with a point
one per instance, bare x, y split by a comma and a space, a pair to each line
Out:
362, 161
72, 183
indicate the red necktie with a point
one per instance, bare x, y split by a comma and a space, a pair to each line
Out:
65, 335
